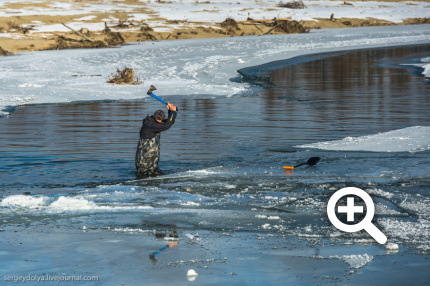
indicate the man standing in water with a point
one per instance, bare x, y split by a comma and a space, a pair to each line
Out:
148, 148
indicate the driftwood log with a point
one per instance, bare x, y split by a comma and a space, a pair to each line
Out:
78, 33
125, 76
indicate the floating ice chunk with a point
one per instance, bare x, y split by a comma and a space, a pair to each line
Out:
392, 247
192, 275
279, 227
72, 204
335, 234
266, 226
274, 217
229, 186
190, 236
193, 236
426, 66
355, 261
261, 216
190, 204
310, 235
426, 71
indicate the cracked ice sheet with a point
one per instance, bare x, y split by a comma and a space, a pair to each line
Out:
180, 67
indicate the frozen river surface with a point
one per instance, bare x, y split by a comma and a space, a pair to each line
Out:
68, 186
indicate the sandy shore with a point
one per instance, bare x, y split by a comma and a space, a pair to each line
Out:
38, 25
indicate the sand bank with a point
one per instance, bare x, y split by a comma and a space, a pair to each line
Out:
38, 25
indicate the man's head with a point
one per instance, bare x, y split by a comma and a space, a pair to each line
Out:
159, 115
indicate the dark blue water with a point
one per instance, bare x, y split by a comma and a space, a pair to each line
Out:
316, 98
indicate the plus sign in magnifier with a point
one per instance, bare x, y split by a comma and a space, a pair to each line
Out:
350, 209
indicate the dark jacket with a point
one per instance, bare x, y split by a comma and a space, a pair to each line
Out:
150, 127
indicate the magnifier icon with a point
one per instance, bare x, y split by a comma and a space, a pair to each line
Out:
350, 209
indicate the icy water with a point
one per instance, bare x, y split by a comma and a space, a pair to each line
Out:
68, 185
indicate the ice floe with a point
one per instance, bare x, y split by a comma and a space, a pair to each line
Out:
410, 139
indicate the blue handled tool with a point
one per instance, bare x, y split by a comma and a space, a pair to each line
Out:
151, 93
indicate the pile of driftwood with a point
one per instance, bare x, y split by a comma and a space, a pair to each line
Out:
146, 32
86, 41
124, 76
230, 25
289, 27
275, 25
416, 21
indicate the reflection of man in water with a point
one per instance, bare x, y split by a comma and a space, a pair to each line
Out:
148, 148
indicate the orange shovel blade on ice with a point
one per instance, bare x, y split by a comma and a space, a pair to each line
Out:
312, 161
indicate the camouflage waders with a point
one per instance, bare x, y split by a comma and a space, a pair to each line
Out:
148, 156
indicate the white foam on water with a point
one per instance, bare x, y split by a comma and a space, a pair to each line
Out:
410, 139
63, 204
22, 201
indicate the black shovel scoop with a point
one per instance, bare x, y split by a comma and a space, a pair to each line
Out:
312, 161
